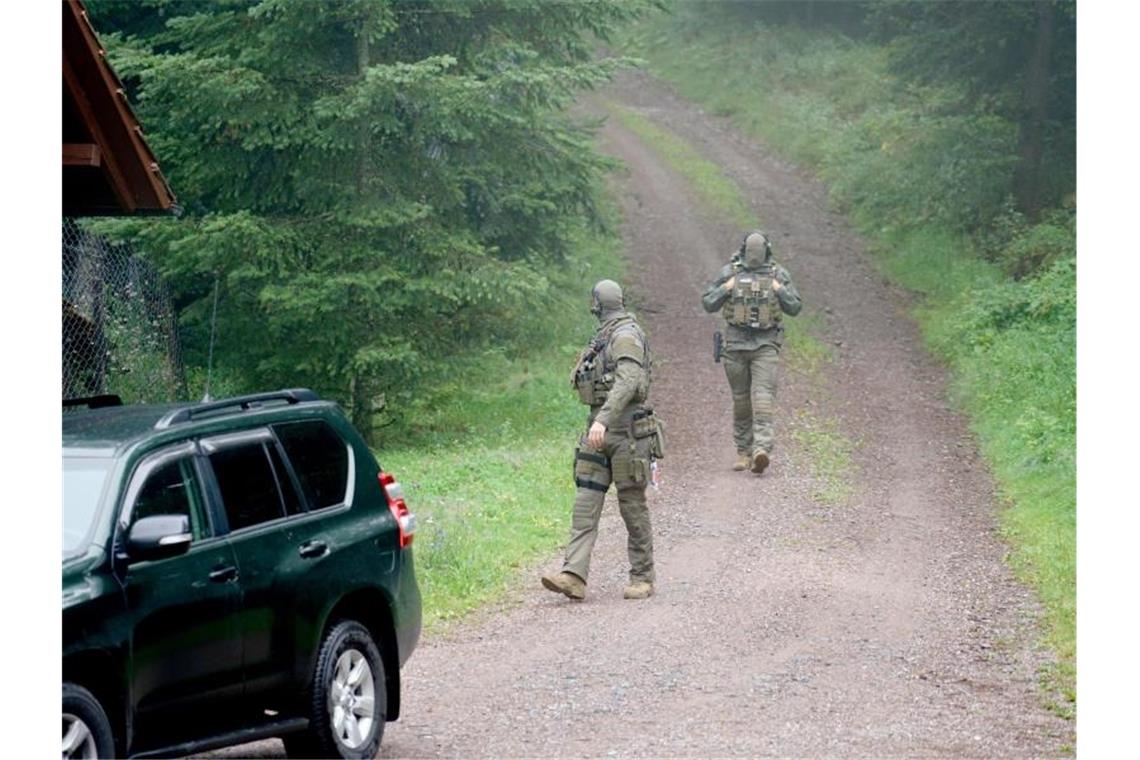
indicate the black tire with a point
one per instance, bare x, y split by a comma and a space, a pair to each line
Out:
348, 642
85, 725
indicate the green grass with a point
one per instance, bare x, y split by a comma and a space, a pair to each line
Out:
825, 449
485, 512
828, 452
913, 175
930, 261
804, 353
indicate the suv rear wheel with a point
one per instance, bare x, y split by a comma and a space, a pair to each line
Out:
347, 698
86, 730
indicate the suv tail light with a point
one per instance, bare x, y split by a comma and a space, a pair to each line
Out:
404, 517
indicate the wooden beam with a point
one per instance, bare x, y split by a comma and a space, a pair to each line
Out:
119, 184
81, 154
125, 158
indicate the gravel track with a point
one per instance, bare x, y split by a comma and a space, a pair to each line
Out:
887, 626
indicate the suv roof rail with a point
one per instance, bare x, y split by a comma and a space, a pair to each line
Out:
93, 402
238, 403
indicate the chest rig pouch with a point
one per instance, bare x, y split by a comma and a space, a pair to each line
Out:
752, 302
595, 374
592, 381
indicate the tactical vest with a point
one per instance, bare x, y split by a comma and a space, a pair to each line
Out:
752, 303
596, 372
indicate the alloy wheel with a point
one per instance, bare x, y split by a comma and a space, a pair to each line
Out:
78, 741
352, 699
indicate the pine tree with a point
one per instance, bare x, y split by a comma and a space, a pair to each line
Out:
372, 183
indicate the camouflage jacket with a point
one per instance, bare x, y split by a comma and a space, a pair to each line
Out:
613, 373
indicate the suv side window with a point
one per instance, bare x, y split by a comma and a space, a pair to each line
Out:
284, 482
169, 485
321, 460
247, 483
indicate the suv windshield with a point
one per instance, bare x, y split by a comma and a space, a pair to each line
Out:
83, 480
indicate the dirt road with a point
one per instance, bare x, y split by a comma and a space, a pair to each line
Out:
886, 626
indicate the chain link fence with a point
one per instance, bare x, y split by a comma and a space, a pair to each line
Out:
119, 331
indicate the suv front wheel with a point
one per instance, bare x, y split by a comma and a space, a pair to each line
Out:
347, 698
86, 730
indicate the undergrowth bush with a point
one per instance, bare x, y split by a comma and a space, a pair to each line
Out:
1039, 247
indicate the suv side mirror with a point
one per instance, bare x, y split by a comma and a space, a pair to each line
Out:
159, 537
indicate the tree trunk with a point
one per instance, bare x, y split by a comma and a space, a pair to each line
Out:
1031, 135
359, 384
361, 408
362, 140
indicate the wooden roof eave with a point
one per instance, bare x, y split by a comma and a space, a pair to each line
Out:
117, 145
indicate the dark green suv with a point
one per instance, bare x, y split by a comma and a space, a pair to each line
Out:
232, 571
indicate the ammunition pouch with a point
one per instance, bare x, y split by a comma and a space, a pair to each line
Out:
585, 388
593, 384
591, 470
647, 425
632, 470
630, 463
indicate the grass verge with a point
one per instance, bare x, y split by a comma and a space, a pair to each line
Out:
829, 452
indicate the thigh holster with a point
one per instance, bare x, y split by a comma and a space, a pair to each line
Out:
591, 470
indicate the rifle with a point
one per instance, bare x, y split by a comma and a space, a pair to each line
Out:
718, 346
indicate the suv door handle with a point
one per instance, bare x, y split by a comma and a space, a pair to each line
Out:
224, 574
313, 549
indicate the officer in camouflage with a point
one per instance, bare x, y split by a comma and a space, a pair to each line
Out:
612, 377
752, 292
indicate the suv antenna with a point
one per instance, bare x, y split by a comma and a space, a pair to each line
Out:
213, 328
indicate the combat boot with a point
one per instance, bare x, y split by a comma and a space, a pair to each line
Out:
638, 590
565, 583
743, 462
759, 461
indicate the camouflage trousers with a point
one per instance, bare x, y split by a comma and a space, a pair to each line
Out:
752, 379
623, 462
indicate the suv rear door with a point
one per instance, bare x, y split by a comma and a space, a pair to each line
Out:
338, 528
348, 518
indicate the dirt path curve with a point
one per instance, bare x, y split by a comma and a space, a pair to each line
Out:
885, 627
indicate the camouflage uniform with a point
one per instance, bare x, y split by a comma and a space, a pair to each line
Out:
612, 378
751, 353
